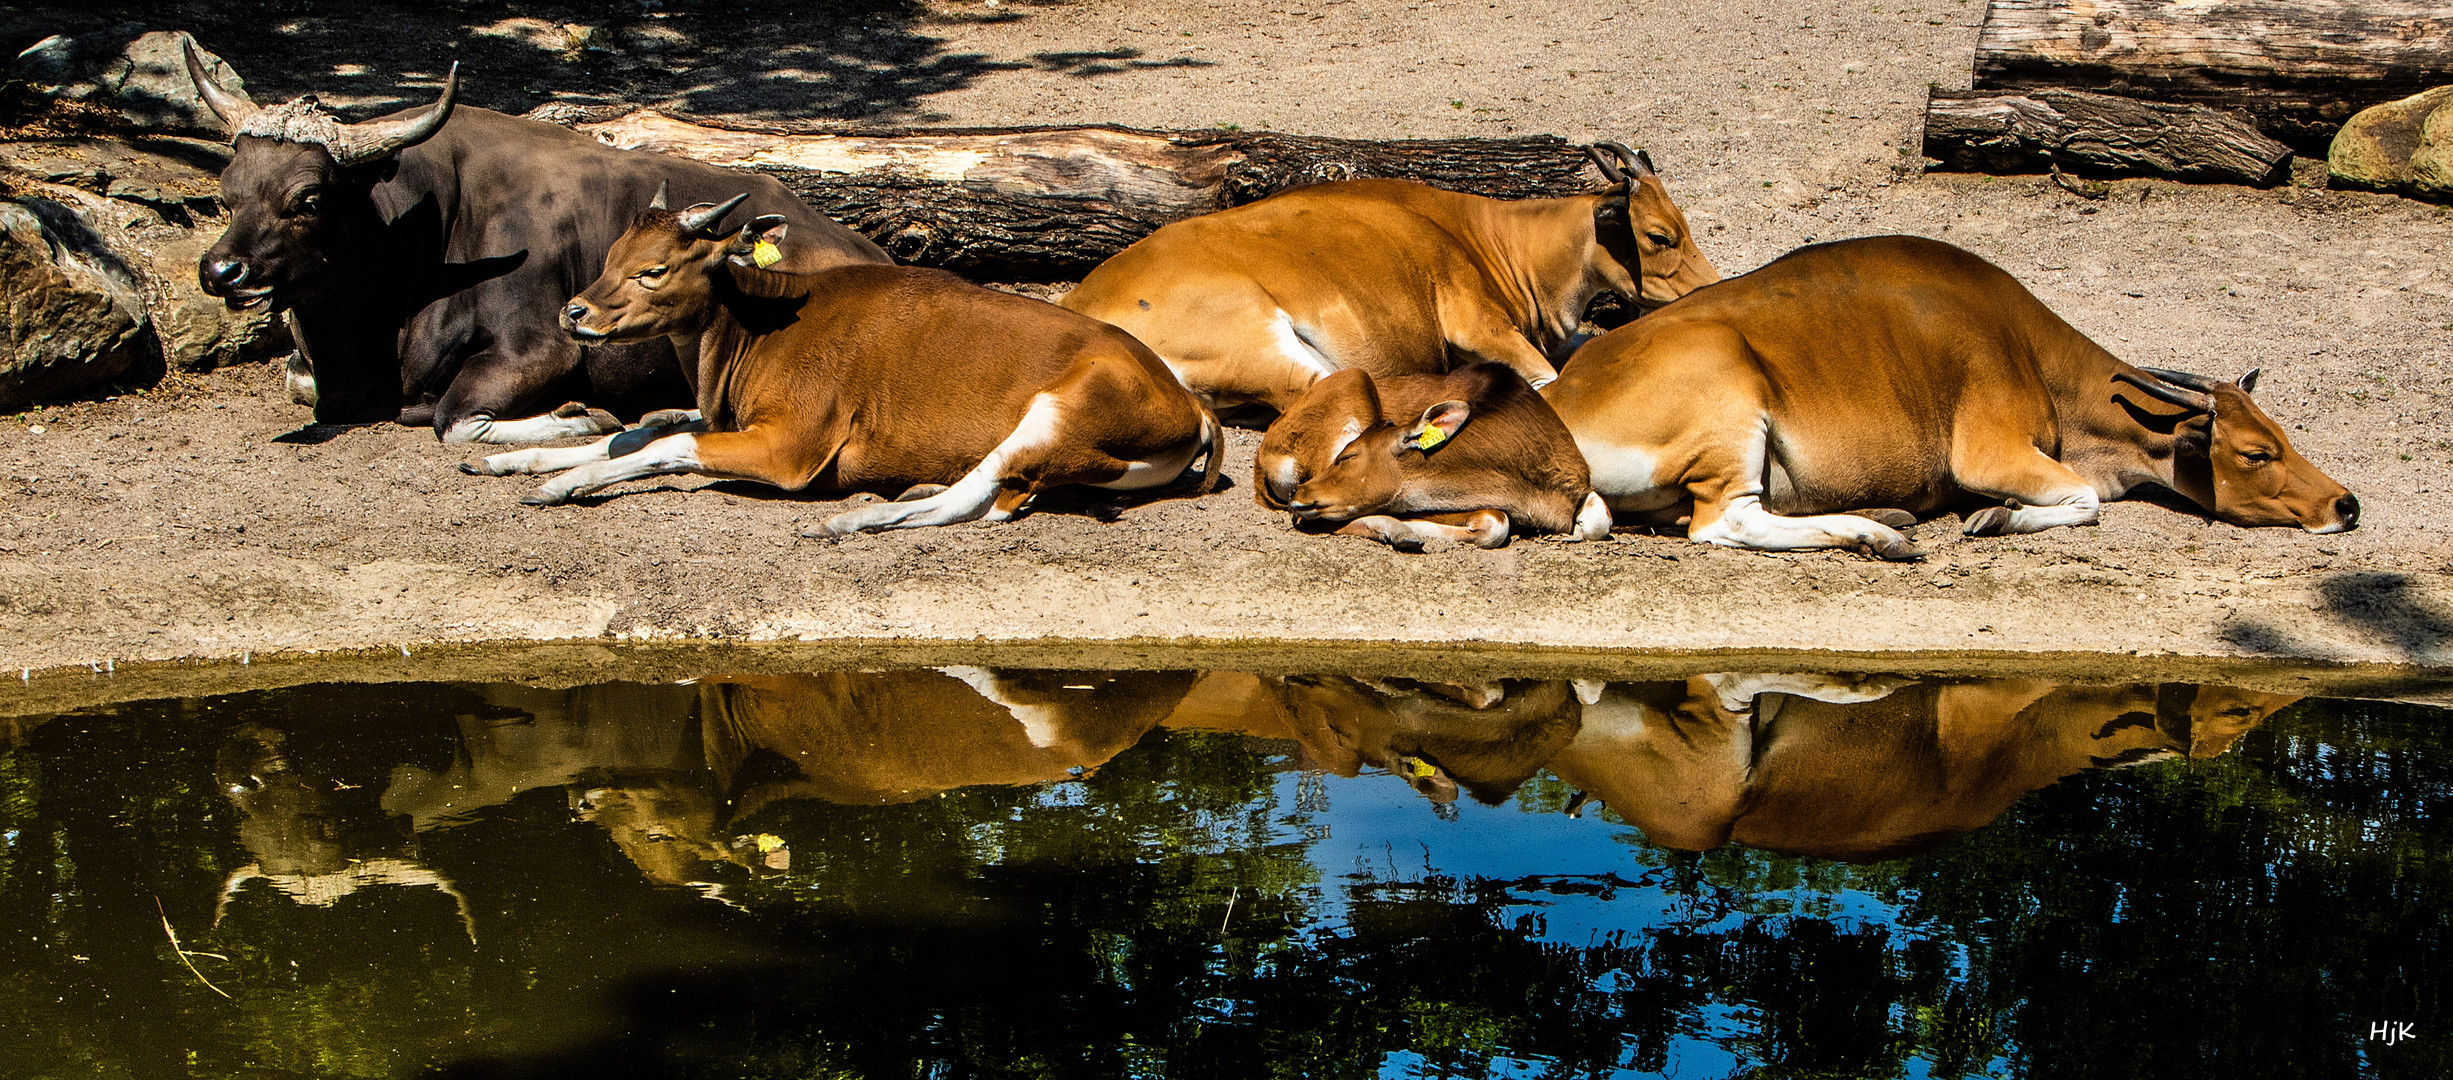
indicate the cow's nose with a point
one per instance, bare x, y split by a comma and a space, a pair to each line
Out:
2347, 508
572, 314
225, 272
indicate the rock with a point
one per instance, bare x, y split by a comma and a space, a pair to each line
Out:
139, 75
2403, 146
75, 316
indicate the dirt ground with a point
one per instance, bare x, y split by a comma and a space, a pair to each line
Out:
189, 521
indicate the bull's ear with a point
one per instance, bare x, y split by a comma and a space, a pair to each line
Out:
759, 243
2248, 382
1438, 424
2194, 436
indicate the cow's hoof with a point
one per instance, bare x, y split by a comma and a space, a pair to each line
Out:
471, 469
1897, 519
1892, 548
917, 492
1990, 521
543, 498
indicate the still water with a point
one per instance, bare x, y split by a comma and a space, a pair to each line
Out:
981, 872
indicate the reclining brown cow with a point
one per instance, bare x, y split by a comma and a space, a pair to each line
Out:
1253, 304
1903, 377
870, 378
1471, 457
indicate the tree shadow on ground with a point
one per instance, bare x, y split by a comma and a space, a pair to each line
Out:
2387, 608
852, 60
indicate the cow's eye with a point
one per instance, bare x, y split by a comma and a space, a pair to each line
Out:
652, 275
2255, 457
308, 202
1661, 239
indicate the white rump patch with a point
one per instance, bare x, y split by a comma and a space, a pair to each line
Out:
1291, 343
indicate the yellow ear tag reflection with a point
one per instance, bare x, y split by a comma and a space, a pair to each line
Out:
1429, 436
1418, 768
764, 254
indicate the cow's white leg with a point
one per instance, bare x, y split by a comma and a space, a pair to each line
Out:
562, 423
663, 457
969, 499
1738, 691
553, 459
2041, 492
298, 377
1481, 528
1041, 723
1744, 523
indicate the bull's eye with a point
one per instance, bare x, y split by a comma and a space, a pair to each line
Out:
308, 201
2255, 457
1660, 240
652, 276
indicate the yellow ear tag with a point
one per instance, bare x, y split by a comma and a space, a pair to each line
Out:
764, 254
1418, 768
1429, 436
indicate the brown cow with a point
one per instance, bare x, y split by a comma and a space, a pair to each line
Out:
1865, 770
1485, 739
1905, 374
1471, 457
1253, 304
871, 378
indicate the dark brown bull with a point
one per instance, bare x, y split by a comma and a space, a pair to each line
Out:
1474, 457
422, 256
872, 378
1902, 376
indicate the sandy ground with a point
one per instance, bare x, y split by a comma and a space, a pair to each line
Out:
186, 522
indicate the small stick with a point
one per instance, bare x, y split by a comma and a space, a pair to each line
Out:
1230, 911
184, 954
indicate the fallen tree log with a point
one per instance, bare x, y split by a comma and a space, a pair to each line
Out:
2299, 68
2100, 135
1050, 203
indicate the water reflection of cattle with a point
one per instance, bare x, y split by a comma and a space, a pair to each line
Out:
1841, 770
1487, 738
423, 258
895, 736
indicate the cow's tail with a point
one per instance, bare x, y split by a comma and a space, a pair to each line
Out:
1213, 448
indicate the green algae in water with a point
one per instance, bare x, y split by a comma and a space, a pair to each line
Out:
992, 872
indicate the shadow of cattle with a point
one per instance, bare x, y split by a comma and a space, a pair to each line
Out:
852, 60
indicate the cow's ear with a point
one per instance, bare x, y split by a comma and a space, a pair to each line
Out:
759, 243
1613, 208
2248, 382
2195, 435
1438, 424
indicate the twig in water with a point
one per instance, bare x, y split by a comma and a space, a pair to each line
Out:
184, 954
1230, 911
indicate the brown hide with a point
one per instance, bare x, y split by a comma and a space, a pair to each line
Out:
1486, 739
1252, 304
1863, 781
1351, 447
868, 738
880, 378
1899, 372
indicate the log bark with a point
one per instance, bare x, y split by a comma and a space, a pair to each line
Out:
1050, 203
2099, 135
2299, 68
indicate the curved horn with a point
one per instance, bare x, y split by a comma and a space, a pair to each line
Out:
1637, 162
1609, 169
663, 188
700, 222
377, 139
2169, 395
232, 110
2199, 383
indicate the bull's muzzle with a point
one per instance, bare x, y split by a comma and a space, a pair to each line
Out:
227, 279
2346, 516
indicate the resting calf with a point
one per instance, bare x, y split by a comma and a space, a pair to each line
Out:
871, 378
1472, 457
